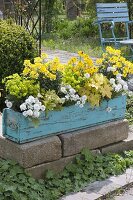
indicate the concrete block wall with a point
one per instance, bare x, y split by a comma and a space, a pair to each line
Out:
55, 152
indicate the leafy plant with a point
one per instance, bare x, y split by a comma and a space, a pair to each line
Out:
16, 45
129, 109
82, 27
16, 184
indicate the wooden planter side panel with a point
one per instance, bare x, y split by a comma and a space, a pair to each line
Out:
20, 129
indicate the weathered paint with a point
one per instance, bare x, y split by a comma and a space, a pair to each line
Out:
20, 129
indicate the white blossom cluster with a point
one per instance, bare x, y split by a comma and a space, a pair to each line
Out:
8, 104
32, 107
70, 95
111, 69
119, 84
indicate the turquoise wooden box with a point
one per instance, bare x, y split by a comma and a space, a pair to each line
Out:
20, 129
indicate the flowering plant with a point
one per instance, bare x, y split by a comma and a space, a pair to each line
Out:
116, 68
47, 85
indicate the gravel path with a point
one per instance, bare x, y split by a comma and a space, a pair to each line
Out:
63, 55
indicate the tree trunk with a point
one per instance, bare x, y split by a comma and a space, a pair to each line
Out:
72, 9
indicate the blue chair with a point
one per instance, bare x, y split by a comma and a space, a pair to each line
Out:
112, 13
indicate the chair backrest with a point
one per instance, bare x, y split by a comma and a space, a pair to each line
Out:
117, 12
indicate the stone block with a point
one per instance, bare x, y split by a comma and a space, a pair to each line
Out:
102, 187
57, 166
32, 153
125, 145
94, 137
82, 196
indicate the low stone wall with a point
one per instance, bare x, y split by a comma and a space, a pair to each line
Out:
55, 152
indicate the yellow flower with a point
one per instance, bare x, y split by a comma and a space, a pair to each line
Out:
99, 61
80, 53
27, 62
115, 72
44, 55
38, 60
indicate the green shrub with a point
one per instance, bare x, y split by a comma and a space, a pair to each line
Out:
82, 27
16, 45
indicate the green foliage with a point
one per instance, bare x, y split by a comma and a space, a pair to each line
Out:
16, 184
82, 27
86, 169
16, 45
18, 88
129, 111
51, 100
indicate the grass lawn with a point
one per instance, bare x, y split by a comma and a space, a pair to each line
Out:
90, 46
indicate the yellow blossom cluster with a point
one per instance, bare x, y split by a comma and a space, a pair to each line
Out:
113, 63
78, 69
47, 69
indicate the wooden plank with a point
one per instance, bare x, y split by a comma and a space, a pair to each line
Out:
126, 19
111, 5
18, 128
111, 10
106, 15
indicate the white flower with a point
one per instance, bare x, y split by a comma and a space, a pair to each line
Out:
67, 97
112, 80
118, 87
84, 98
72, 91
81, 105
87, 75
83, 102
63, 100
118, 76
125, 87
31, 99
122, 82
30, 106
78, 103
36, 114
130, 93
23, 106
76, 96
43, 107
63, 90
113, 69
68, 87
37, 106
29, 112
109, 69
25, 114
6, 101
9, 104
37, 100
108, 109
27, 101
